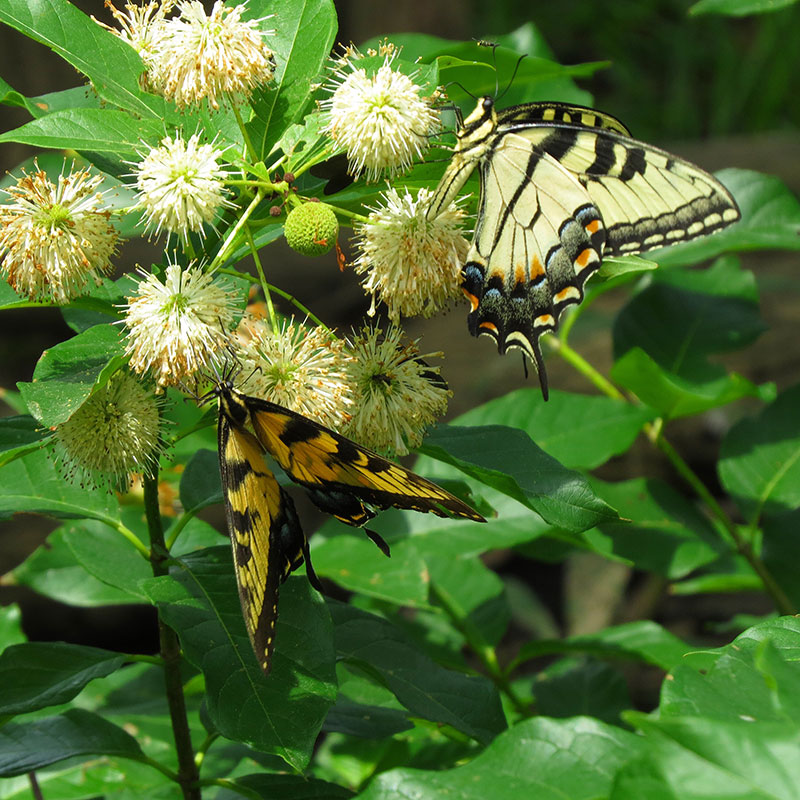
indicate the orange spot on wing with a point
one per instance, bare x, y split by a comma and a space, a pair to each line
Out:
536, 267
545, 319
489, 326
519, 274
593, 226
584, 256
473, 301
563, 294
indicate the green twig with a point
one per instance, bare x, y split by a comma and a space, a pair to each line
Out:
251, 151
281, 293
132, 538
587, 370
177, 527
482, 649
654, 432
743, 546
233, 234
297, 304
264, 285
188, 775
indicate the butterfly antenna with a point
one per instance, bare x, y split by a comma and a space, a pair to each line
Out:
463, 89
494, 46
513, 75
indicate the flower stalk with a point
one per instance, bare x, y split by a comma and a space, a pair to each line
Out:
170, 650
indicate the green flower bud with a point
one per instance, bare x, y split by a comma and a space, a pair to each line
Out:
311, 229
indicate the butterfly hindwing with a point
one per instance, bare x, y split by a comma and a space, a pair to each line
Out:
561, 187
267, 539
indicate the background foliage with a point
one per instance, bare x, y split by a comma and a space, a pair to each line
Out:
432, 672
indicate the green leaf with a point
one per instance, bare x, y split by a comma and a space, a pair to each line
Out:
96, 130
760, 459
18, 436
535, 78
76, 782
53, 571
36, 675
756, 677
67, 373
673, 396
641, 641
282, 713
685, 316
285, 787
304, 35
356, 564
580, 431
10, 625
34, 745
542, 758
616, 267
468, 704
111, 65
473, 596
781, 552
770, 219
665, 534
365, 721
108, 556
33, 483
703, 758
738, 8
590, 688
200, 482
507, 460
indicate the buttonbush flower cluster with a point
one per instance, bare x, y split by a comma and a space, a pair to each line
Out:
203, 169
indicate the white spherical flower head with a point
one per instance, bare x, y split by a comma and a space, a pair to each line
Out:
411, 263
142, 27
398, 394
178, 326
304, 369
381, 121
114, 433
180, 186
55, 238
211, 56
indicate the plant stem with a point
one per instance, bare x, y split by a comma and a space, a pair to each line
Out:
587, 370
35, 788
654, 433
264, 285
295, 302
281, 293
251, 151
482, 650
232, 235
170, 651
743, 546
132, 538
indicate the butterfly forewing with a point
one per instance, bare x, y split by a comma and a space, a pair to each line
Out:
562, 186
266, 537
333, 465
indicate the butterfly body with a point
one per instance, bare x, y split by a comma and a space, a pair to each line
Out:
563, 186
341, 477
